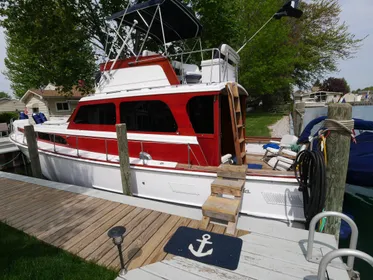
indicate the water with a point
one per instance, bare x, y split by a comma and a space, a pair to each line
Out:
361, 208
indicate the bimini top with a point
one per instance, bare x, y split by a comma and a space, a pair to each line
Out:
179, 22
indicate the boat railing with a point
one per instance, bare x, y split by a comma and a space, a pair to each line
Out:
106, 142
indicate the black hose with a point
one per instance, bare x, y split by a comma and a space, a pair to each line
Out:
311, 176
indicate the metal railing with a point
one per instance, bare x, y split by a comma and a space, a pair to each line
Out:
78, 150
353, 239
341, 253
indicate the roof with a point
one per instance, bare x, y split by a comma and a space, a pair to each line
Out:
51, 93
178, 20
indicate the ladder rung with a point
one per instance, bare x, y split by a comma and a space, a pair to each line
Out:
243, 154
241, 140
239, 126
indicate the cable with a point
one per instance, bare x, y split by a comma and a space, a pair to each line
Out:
311, 176
1, 166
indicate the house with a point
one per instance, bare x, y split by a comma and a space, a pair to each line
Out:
10, 105
50, 102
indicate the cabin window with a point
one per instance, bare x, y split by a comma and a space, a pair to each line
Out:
96, 114
151, 116
62, 106
201, 114
50, 137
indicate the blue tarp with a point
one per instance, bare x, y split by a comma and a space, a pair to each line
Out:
360, 166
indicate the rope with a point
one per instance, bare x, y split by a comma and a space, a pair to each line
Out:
344, 126
1, 166
300, 114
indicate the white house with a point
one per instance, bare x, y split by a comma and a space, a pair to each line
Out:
10, 105
50, 102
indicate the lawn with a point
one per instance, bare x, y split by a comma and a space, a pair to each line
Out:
24, 257
257, 123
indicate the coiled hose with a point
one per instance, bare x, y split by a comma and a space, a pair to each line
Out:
311, 176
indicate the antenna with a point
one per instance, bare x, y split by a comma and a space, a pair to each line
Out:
289, 9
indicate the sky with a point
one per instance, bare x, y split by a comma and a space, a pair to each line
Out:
358, 71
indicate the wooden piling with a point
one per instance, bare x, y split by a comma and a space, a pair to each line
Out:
33, 151
338, 152
124, 158
298, 114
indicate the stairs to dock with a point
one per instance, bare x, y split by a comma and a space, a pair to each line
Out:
225, 200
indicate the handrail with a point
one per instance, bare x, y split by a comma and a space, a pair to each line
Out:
113, 139
353, 239
341, 253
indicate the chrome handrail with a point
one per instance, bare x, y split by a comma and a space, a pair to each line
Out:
353, 239
341, 253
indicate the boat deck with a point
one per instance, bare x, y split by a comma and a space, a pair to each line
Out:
77, 219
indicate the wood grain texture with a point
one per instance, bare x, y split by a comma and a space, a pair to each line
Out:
32, 146
338, 152
124, 158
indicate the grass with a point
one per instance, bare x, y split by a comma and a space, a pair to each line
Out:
257, 123
24, 257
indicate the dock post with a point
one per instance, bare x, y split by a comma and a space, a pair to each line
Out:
338, 152
33, 151
298, 114
124, 158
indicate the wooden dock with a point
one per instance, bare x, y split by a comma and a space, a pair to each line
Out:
79, 223
77, 219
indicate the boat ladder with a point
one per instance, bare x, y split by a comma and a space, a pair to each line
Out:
351, 252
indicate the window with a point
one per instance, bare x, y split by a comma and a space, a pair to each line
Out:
52, 138
35, 110
201, 114
96, 114
62, 106
152, 116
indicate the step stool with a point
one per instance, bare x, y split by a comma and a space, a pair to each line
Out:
225, 200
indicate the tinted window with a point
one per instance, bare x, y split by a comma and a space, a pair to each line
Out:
50, 137
96, 114
154, 116
201, 113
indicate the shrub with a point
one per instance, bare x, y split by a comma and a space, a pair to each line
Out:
7, 116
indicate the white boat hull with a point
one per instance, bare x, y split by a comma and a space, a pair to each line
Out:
268, 197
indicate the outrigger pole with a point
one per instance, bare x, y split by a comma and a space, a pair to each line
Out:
289, 9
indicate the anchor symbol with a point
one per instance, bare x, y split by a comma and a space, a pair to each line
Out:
199, 253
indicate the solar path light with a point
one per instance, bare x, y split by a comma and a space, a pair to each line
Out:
117, 233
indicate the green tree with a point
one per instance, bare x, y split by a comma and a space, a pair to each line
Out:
336, 85
321, 40
45, 45
4, 95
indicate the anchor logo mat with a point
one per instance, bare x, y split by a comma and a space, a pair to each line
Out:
206, 247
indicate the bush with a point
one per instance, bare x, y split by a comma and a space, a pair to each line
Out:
7, 116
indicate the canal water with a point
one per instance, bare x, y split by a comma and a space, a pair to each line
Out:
360, 206
358, 202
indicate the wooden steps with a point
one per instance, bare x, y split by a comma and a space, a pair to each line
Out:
225, 186
226, 197
221, 208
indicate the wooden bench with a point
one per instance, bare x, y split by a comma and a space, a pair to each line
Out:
4, 128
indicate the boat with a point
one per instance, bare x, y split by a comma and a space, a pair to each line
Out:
360, 169
184, 119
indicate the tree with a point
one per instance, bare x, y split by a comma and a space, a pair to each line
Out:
45, 45
4, 95
321, 41
335, 85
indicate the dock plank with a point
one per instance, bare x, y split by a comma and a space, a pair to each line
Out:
79, 223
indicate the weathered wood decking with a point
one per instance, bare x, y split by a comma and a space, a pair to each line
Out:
77, 219
79, 223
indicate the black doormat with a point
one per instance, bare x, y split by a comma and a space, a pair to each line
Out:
206, 247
